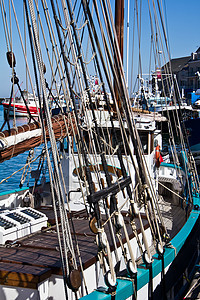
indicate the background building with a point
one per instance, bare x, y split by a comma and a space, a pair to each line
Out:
187, 71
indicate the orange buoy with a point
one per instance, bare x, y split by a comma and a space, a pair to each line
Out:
157, 156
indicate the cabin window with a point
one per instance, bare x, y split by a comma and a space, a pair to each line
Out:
105, 136
87, 142
92, 142
144, 141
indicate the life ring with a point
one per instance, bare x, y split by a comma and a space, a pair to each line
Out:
157, 156
157, 152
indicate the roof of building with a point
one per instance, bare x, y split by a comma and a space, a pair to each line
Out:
177, 64
198, 50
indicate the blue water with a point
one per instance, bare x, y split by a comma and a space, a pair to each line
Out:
9, 166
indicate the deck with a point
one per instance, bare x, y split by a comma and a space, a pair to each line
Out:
34, 258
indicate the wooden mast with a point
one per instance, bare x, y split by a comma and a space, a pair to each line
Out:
119, 26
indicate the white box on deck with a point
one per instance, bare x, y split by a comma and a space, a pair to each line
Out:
17, 223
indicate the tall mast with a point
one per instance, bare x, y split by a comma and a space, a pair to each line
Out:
119, 26
127, 51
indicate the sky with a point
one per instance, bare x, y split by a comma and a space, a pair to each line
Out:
183, 33
183, 26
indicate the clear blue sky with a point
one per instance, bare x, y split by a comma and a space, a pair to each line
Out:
183, 30
183, 26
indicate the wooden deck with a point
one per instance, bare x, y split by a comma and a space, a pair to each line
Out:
34, 258
173, 216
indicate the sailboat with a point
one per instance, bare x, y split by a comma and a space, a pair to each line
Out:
122, 224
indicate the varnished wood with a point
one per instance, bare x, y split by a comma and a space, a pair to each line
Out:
22, 275
36, 257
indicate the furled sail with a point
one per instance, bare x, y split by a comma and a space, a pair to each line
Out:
29, 136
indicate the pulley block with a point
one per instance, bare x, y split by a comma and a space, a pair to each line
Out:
74, 280
93, 225
11, 59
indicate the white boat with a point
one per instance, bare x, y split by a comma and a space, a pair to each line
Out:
18, 106
122, 224
152, 99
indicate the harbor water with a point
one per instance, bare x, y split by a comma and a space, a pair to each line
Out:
8, 167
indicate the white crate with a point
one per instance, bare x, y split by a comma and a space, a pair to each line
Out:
20, 222
37, 218
9, 233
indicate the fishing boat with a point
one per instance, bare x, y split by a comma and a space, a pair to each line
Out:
152, 96
21, 107
18, 106
114, 221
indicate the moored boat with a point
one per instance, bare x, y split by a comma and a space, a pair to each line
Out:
18, 107
121, 221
